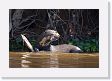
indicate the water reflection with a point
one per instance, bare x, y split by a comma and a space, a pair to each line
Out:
53, 60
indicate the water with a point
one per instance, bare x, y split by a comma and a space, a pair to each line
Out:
53, 60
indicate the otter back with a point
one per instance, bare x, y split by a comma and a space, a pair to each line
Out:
65, 48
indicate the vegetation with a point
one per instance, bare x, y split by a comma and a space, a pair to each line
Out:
19, 45
79, 27
86, 45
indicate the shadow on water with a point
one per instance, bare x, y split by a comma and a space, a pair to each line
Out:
53, 60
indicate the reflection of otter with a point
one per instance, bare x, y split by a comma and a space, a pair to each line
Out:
44, 43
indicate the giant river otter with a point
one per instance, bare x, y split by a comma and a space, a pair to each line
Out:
44, 43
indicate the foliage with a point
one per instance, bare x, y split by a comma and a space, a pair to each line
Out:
87, 45
18, 44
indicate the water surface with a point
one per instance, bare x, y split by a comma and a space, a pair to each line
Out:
53, 60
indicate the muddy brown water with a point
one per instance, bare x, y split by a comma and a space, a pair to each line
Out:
53, 60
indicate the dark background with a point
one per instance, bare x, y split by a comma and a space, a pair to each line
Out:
78, 27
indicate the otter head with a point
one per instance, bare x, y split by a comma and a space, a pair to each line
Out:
54, 35
48, 36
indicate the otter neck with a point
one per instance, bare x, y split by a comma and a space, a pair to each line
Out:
40, 47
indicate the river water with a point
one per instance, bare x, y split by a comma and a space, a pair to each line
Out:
53, 60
